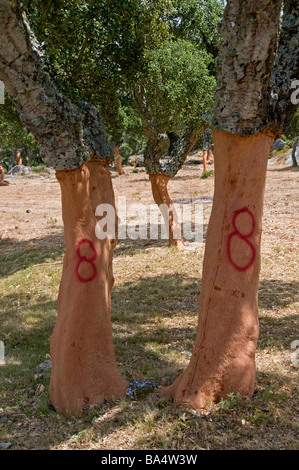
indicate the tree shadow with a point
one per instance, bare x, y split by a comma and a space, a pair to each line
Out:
20, 255
154, 324
274, 292
292, 169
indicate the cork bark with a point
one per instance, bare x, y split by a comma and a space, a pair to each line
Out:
246, 117
84, 369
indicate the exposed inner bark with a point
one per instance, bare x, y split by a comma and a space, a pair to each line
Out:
118, 160
84, 369
223, 359
162, 199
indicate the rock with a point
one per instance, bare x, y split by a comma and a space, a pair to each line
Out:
40, 388
136, 161
139, 389
278, 145
28, 211
20, 170
5, 445
44, 366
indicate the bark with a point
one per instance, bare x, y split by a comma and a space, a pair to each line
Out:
161, 197
84, 369
223, 359
285, 71
294, 152
247, 55
118, 161
2, 174
51, 117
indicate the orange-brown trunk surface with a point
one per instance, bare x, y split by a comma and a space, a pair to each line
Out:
161, 197
223, 359
84, 369
118, 161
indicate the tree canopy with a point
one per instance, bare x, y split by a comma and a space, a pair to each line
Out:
98, 50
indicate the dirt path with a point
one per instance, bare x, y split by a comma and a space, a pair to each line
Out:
31, 208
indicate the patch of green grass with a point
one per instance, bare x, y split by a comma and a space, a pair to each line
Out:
38, 169
207, 174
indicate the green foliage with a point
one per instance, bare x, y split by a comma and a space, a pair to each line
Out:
13, 134
178, 85
206, 174
198, 22
96, 51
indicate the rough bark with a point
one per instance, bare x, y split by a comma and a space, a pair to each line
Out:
249, 43
51, 117
294, 152
285, 71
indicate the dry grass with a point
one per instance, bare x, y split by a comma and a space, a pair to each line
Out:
154, 315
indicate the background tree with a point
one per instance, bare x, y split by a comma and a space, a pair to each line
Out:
171, 96
256, 66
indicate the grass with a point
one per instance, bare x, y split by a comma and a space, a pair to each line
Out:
154, 317
38, 169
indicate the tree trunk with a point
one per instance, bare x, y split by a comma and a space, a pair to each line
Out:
118, 161
223, 359
161, 197
84, 370
294, 152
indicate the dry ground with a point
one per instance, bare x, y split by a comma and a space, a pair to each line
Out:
154, 308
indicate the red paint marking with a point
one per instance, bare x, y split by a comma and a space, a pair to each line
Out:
243, 236
85, 259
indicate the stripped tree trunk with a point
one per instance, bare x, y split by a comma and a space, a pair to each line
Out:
84, 369
118, 160
223, 359
246, 120
161, 197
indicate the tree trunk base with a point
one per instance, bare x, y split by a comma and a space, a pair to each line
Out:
223, 359
119, 165
161, 197
84, 369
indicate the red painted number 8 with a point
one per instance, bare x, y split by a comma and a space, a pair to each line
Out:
85, 259
243, 236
